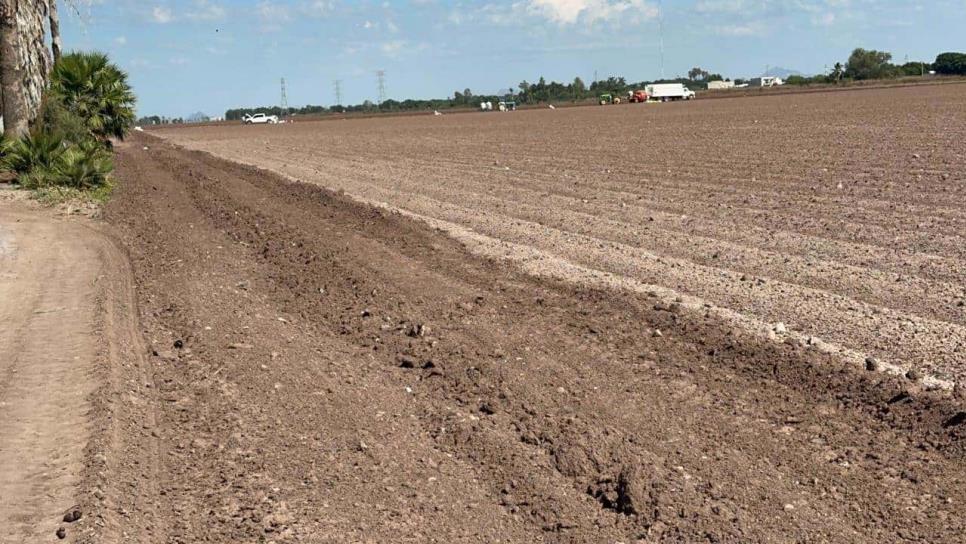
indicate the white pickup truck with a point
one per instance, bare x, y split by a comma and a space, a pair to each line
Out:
260, 119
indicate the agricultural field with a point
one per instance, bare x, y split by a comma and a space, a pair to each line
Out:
602, 324
834, 219
734, 319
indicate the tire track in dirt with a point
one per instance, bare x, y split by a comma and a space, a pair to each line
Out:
54, 276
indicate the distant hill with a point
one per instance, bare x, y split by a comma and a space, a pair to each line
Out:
783, 73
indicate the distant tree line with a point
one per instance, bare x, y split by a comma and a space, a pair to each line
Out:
865, 64
523, 93
159, 120
862, 64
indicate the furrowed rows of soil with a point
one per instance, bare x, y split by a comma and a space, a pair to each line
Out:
333, 372
841, 215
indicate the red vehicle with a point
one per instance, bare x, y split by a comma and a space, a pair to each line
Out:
638, 96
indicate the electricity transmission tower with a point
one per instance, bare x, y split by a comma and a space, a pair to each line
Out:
338, 92
284, 104
381, 74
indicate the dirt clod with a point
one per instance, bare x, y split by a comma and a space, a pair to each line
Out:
405, 361
72, 515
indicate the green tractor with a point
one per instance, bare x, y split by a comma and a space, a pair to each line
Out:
609, 98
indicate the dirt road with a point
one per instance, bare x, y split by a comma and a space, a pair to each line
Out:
53, 277
841, 216
327, 372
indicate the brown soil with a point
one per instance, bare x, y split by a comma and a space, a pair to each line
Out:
57, 346
324, 371
840, 215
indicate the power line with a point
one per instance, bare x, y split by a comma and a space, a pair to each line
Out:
284, 104
381, 75
338, 92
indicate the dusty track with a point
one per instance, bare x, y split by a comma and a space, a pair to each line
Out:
57, 347
330, 372
841, 215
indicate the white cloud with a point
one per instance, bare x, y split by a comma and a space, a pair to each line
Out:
120, 40
393, 47
272, 16
205, 10
317, 8
162, 15
270, 12
569, 12
722, 6
826, 19
741, 29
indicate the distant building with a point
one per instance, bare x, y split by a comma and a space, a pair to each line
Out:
718, 85
766, 81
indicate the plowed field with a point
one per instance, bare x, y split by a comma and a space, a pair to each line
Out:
841, 216
589, 354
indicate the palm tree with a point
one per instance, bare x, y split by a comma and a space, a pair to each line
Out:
54, 18
11, 76
24, 60
93, 88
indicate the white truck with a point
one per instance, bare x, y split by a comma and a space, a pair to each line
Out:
260, 119
669, 91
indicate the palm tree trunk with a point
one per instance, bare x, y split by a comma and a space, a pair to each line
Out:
24, 60
34, 52
55, 44
14, 106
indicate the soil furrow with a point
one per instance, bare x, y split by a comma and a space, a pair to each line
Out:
345, 373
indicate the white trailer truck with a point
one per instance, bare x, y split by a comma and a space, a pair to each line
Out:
669, 91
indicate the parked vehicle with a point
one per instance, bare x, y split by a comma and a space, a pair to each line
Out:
669, 91
608, 98
260, 119
637, 96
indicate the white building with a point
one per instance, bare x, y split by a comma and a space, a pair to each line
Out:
767, 81
718, 85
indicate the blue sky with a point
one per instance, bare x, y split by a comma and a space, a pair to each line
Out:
208, 55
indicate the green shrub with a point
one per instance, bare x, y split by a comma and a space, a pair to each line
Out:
67, 152
56, 119
43, 159
83, 166
39, 151
96, 90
